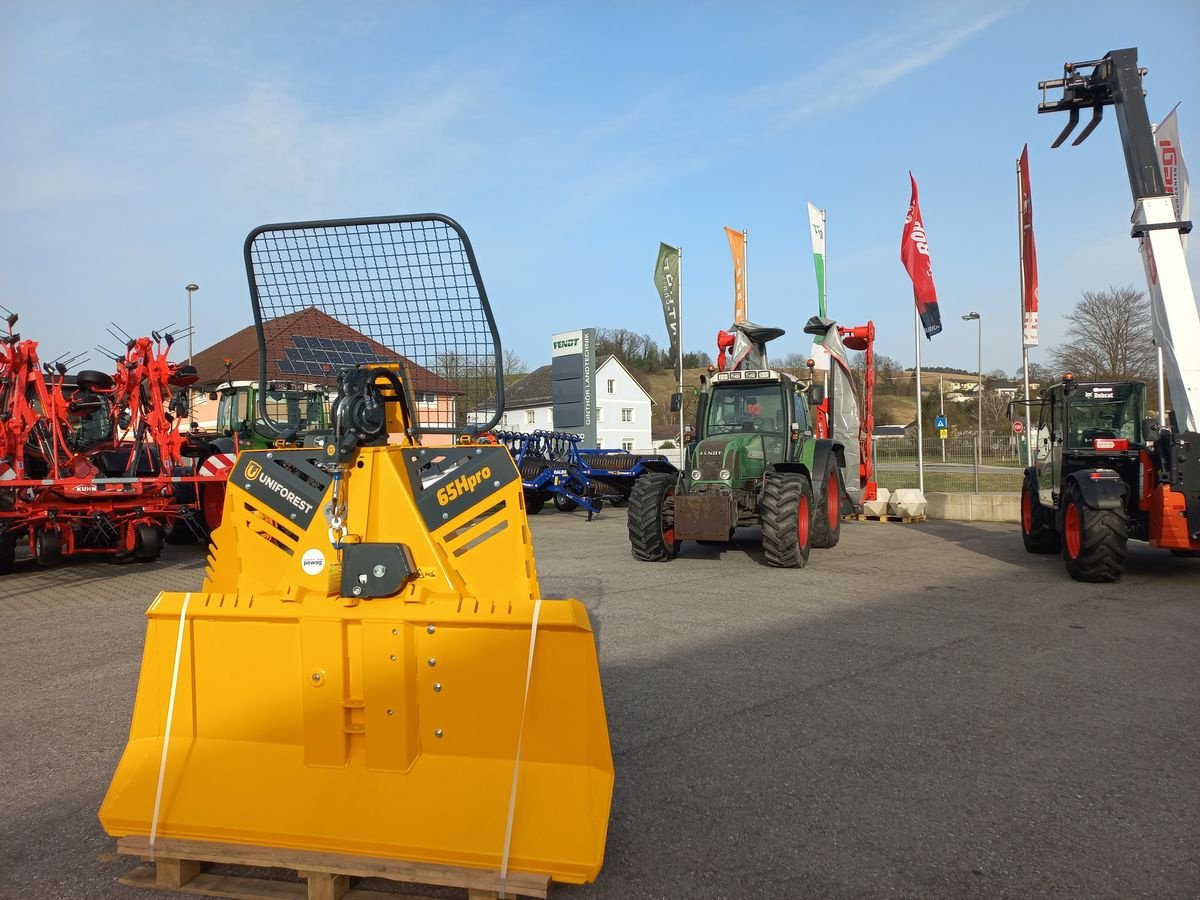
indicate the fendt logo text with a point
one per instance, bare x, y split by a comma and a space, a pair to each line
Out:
570, 342
461, 486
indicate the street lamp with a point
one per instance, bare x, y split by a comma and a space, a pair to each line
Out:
190, 289
979, 394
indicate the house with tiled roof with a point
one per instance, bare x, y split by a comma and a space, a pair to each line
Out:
309, 347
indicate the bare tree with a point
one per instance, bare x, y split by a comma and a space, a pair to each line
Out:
1110, 336
514, 366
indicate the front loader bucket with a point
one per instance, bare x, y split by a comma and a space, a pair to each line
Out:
385, 727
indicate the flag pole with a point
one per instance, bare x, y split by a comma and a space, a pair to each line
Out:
746, 270
920, 438
682, 450
1024, 349
825, 267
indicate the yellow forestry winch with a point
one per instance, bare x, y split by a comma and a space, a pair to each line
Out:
369, 667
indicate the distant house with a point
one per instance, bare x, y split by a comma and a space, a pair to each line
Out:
622, 406
309, 347
1010, 390
891, 431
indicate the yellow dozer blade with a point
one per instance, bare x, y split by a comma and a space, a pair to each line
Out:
369, 668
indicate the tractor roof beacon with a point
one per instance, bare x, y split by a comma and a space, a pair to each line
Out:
754, 460
1105, 473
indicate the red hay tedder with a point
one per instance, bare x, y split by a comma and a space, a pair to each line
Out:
96, 463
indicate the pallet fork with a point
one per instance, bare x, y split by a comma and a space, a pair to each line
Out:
369, 667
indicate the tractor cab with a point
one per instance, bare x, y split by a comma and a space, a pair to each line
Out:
240, 412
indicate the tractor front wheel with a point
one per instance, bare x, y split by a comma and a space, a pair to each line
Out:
652, 518
1093, 540
1037, 523
827, 523
787, 514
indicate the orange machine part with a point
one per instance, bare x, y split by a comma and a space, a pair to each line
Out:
1168, 520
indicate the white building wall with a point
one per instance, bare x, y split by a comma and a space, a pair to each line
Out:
612, 431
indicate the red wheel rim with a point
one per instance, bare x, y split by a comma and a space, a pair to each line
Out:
1027, 512
832, 503
803, 522
212, 502
1073, 527
668, 531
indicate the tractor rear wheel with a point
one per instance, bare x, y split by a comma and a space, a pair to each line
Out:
787, 511
652, 518
827, 522
1093, 540
1037, 523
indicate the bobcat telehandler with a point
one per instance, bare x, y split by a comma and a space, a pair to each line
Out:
1103, 474
369, 672
754, 461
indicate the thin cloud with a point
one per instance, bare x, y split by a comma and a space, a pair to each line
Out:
869, 64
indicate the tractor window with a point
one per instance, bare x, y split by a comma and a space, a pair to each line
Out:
316, 411
1104, 411
800, 412
747, 407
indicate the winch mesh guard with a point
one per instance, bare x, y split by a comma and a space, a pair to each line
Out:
329, 295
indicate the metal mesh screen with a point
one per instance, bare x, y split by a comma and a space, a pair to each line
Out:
330, 295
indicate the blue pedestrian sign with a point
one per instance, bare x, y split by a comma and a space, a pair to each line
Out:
940, 422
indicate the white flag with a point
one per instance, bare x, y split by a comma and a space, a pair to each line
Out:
1174, 172
816, 228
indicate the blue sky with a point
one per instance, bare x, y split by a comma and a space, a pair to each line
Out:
142, 141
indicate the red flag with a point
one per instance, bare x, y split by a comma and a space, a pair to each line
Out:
914, 253
1029, 275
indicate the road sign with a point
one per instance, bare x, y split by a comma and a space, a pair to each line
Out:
1018, 426
941, 423
943, 433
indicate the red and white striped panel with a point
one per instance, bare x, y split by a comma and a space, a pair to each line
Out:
7, 472
217, 465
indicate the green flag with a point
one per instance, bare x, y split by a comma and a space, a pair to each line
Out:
666, 280
816, 225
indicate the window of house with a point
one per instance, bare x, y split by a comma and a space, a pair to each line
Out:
627, 414
426, 398
599, 415
530, 416
550, 417
612, 385
627, 444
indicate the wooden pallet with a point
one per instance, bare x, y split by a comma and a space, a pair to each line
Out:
907, 520
179, 866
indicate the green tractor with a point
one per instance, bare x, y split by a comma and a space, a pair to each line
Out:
239, 413
753, 460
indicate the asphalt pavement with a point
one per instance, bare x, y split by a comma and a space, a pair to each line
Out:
924, 711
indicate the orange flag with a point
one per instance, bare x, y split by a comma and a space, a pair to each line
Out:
737, 246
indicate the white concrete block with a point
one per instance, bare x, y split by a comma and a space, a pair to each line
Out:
907, 502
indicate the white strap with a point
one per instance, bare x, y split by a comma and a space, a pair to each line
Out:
512, 797
162, 767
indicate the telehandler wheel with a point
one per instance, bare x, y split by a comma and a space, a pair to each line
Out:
1093, 540
787, 513
827, 522
652, 518
1037, 523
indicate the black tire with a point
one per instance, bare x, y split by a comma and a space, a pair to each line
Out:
1037, 523
8, 553
827, 520
93, 380
564, 504
148, 542
47, 547
1093, 540
787, 511
652, 518
1186, 554
533, 503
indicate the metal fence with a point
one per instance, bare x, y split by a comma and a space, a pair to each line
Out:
959, 463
